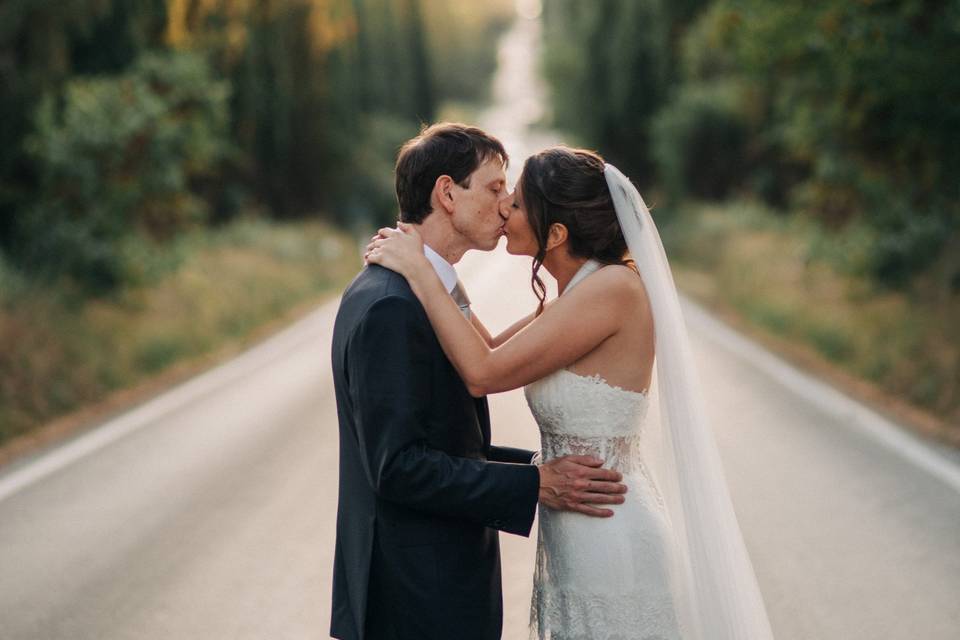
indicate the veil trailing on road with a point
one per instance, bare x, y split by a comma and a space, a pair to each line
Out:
714, 586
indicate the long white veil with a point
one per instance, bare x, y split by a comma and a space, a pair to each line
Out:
714, 584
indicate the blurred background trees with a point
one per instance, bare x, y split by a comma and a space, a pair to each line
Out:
126, 122
844, 111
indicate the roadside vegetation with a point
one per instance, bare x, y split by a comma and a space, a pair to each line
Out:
63, 350
787, 280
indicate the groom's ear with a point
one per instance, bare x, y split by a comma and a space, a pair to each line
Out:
443, 192
556, 236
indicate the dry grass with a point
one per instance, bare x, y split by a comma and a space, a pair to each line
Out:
746, 261
61, 354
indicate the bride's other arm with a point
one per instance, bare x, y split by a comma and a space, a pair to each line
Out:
573, 326
515, 328
506, 334
482, 330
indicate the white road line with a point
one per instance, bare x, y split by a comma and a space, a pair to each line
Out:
845, 410
291, 338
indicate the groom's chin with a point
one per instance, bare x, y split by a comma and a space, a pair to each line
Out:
490, 245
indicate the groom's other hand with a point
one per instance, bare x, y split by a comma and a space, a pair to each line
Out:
575, 483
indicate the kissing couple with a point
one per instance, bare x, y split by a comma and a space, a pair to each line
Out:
623, 553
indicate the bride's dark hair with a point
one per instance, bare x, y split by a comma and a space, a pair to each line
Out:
567, 186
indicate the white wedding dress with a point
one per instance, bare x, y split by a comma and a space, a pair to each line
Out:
601, 578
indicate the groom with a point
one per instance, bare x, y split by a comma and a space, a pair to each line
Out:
422, 490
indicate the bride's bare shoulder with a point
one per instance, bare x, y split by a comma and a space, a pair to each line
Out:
614, 288
619, 280
621, 285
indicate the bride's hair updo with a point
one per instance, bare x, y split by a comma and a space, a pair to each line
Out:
567, 186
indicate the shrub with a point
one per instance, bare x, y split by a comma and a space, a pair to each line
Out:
115, 156
700, 142
365, 186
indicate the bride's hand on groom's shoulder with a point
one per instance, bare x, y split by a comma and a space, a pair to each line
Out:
577, 483
399, 250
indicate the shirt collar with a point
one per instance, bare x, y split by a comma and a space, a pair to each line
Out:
448, 275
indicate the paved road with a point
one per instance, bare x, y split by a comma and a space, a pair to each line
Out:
208, 512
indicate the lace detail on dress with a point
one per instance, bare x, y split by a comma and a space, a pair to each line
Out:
637, 615
621, 453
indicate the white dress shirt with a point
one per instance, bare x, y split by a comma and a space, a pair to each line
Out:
448, 275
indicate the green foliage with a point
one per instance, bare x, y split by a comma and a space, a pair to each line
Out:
114, 157
798, 280
391, 65
279, 109
606, 63
365, 192
855, 96
44, 44
700, 143
836, 109
12, 283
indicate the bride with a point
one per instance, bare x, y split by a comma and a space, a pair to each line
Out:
671, 564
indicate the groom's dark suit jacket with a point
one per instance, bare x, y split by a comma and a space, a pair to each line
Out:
422, 491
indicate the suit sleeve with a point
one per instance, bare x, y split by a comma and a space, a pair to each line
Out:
510, 454
389, 379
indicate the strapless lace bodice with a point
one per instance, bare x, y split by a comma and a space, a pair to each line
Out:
566, 401
583, 415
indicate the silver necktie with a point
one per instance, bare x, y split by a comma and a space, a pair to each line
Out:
459, 295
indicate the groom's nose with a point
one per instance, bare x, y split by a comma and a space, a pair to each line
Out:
503, 208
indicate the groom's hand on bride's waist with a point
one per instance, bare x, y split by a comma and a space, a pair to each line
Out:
578, 483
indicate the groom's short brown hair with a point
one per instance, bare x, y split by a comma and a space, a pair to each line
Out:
445, 148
